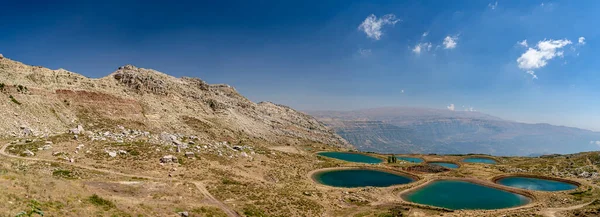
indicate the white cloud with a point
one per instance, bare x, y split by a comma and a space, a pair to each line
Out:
538, 57
402, 91
372, 25
450, 107
493, 6
425, 34
523, 43
581, 40
364, 52
450, 42
595, 142
425, 46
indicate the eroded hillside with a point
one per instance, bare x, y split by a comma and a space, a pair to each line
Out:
39, 101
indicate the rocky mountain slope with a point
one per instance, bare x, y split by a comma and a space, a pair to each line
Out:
414, 130
38, 102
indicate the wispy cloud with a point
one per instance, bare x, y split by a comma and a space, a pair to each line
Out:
425, 34
450, 42
425, 46
493, 6
523, 43
364, 52
532, 73
595, 142
450, 107
538, 57
372, 25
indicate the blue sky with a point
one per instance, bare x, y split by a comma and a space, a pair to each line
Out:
318, 55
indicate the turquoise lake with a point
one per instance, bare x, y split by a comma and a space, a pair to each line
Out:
536, 184
411, 159
351, 178
464, 195
479, 160
444, 164
352, 157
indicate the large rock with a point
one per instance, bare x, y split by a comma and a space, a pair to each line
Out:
169, 159
189, 154
77, 130
27, 152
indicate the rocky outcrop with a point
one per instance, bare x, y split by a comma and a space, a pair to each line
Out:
148, 101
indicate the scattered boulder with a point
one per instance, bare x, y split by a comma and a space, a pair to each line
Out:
237, 147
27, 152
184, 214
189, 154
26, 131
244, 154
112, 153
78, 130
122, 152
169, 159
45, 147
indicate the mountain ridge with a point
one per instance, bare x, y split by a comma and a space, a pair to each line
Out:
452, 132
45, 102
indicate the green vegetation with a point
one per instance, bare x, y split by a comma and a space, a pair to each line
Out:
63, 174
21, 88
101, 202
251, 211
14, 100
579, 195
209, 212
392, 159
35, 209
227, 181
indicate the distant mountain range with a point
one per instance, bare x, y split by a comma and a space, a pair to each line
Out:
424, 130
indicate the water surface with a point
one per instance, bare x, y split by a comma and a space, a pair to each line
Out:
479, 160
352, 157
445, 164
455, 195
537, 184
410, 159
351, 178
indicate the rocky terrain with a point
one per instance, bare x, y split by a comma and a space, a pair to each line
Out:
43, 102
142, 143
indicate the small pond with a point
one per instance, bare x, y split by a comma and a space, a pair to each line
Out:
445, 164
410, 159
352, 157
351, 178
537, 184
455, 195
479, 160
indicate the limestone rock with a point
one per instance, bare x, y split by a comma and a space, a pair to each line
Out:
189, 154
169, 159
27, 152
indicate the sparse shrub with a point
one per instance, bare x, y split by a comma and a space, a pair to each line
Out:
63, 174
66, 102
2, 85
35, 209
251, 211
227, 181
14, 100
101, 202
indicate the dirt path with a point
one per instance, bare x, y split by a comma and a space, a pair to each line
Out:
214, 201
551, 212
211, 199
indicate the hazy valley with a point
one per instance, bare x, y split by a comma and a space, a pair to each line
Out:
422, 130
